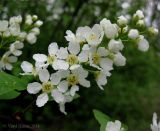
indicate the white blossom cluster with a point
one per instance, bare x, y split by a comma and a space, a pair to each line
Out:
92, 51
13, 37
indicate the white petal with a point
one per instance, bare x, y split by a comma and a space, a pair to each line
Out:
12, 59
115, 45
40, 58
74, 48
83, 56
81, 72
17, 52
62, 53
42, 99
60, 65
53, 48
62, 108
84, 82
58, 96
44, 75
101, 80
34, 88
64, 73
106, 64
9, 66
19, 45
86, 47
143, 45
55, 78
119, 60
102, 51
74, 89
26, 66
73, 67
63, 86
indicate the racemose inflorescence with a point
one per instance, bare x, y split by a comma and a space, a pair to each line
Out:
90, 51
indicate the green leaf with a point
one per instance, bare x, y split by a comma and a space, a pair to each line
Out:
9, 85
101, 117
9, 95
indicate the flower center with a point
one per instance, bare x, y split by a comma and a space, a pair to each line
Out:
34, 72
96, 58
51, 59
72, 79
72, 59
92, 37
47, 87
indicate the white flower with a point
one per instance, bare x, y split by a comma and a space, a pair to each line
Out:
38, 23
31, 38
48, 85
7, 60
29, 69
72, 80
115, 46
55, 57
94, 35
119, 59
3, 25
15, 48
113, 126
98, 59
133, 34
15, 20
139, 14
28, 20
14, 29
36, 31
73, 57
122, 21
111, 30
155, 126
143, 44
153, 30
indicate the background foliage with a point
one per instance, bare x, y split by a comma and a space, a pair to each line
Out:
132, 93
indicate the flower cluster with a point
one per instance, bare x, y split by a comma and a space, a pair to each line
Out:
13, 34
90, 51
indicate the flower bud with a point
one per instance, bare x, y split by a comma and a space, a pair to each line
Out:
122, 21
138, 15
34, 17
140, 23
38, 23
115, 46
133, 34
143, 44
119, 60
153, 31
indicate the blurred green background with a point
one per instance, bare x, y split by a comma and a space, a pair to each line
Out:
132, 93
